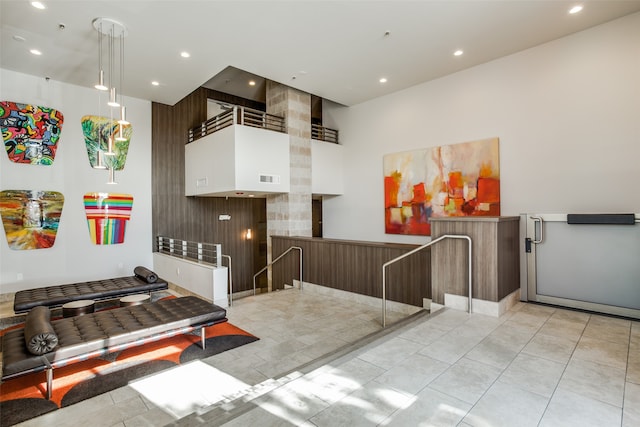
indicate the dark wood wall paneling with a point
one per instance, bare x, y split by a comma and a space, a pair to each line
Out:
355, 267
196, 218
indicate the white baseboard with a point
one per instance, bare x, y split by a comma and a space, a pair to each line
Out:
489, 308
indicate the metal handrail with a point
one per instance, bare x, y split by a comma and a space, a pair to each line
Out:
230, 275
321, 133
237, 115
276, 260
388, 263
208, 253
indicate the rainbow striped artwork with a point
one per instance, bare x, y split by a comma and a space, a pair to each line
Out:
30, 218
106, 136
107, 216
30, 133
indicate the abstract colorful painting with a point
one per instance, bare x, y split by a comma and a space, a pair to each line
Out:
30, 218
107, 141
448, 180
107, 216
30, 133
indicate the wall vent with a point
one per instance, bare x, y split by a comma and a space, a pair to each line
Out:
270, 179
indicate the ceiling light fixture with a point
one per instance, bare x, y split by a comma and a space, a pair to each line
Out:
185, 54
100, 85
38, 5
252, 83
35, 52
115, 33
155, 83
576, 9
458, 52
383, 80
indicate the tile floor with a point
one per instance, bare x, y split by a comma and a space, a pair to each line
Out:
536, 365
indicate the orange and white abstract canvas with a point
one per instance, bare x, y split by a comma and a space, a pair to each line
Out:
448, 180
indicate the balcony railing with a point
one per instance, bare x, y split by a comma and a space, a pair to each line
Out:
208, 253
237, 116
321, 133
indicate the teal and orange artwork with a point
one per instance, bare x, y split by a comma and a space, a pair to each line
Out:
30, 218
30, 133
107, 216
107, 142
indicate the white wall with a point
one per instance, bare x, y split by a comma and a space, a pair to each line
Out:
567, 114
73, 257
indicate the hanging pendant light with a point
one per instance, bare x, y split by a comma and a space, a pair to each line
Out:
112, 29
115, 76
100, 85
123, 116
100, 160
110, 151
121, 136
112, 176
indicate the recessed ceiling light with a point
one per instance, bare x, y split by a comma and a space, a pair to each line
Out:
155, 83
35, 52
575, 9
185, 54
458, 52
252, 83
38, 5
383, 80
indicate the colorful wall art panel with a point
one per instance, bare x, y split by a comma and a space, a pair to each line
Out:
30, 218
107, 142
30, 133
107, 216
448, 180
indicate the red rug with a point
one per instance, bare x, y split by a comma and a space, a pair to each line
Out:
23, 398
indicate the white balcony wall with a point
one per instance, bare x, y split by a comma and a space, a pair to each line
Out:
238, 161
327, 165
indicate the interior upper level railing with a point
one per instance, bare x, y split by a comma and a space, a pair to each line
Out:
210, 253
237, 116
388, 263
321, 133
276, 260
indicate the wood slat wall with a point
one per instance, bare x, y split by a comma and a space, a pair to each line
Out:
495, 257
355, 267
196, 218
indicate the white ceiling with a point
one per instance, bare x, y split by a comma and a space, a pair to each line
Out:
333, 49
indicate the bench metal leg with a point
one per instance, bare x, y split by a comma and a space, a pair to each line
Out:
49, 383
49, 373
202, 337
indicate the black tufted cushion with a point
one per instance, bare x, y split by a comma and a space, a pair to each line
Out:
55, 296
81, 335
39, 336
145, 274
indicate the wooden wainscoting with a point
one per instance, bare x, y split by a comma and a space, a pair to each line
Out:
355, 267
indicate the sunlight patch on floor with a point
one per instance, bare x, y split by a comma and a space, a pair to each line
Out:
188, 388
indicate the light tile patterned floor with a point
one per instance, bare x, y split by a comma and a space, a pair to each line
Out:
536, 365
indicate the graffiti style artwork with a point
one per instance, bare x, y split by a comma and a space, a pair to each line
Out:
107, 216
107, 142
449, 180
30, 133
30, 218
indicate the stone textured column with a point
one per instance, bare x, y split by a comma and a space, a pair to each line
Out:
290, 214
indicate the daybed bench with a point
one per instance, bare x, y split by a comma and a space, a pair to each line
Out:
143, 281
45, 345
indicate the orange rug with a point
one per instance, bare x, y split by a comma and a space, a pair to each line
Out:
23, 398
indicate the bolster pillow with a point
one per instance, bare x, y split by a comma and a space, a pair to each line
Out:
145, 274
39, 335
